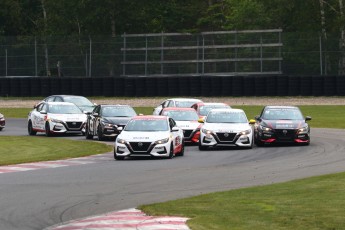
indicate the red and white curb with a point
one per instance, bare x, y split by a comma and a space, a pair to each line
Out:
130, 219
52, 164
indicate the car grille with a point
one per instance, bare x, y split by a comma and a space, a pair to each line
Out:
74, 125
140, 146
285, 134
187, 133
226, 136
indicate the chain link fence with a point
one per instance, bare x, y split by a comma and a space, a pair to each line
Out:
101, 56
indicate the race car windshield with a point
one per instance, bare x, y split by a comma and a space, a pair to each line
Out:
182, 115
118, 112
227, 117
64, 109
184, 104
147, 125
282, 114
79, 101
206, 108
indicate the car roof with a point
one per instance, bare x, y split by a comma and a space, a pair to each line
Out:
149, 117
59, 103
228, 110
117, 105
213, 103
280, 107
185, 99
178, 109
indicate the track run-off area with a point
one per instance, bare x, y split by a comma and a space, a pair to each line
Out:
74, 189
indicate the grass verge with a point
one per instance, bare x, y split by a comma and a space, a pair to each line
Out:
16, 150
313, 203
323, 116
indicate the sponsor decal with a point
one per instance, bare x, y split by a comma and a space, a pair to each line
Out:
140, 138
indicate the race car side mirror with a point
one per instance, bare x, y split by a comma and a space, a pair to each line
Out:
251, 121
175, 129
201, 120
307, 118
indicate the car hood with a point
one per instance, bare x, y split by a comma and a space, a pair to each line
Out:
86, 108
187, 124
226, 127
68, 117
283, 124
132, 136
116, 120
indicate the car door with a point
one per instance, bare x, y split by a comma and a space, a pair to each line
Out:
177, 135
37, 117
94, 119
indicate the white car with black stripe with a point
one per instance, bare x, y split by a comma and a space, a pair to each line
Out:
149, 136
226, 128
56, 118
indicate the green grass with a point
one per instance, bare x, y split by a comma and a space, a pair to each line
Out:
323, 116
313, 203
15, 150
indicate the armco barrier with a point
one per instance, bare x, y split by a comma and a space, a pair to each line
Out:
182, 86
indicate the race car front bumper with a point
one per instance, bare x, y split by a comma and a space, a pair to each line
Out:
231, 140
142, 149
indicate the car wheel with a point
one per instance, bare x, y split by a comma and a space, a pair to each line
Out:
87, 133
47, 128
1, 129
30, 129
100, 133
171, 153
118, 158
201, 147
182, 150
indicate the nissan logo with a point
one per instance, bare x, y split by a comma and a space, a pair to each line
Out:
285, 131
140, 144
226, 134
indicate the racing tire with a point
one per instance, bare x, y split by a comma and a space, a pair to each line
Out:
171, 153
201, 147
47, 129
87, 133
118, 158
1, 129
100, 133
30, 129
182, 150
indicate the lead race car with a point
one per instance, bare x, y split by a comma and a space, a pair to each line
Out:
149, 136
281, 124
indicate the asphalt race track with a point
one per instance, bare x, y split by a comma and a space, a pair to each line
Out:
41, 198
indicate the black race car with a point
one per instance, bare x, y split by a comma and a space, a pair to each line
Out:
281, 124
107, 121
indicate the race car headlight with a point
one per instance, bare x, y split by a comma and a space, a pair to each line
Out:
246, 132
121, 141
106, 124
303, 130
2, 118
55, 120
206, 131
265, 129
163, 141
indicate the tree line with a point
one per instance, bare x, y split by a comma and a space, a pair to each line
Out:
115, 17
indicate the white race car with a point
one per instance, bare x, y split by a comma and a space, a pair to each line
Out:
226, 127
56, 117
175, 102
187, 120
149, 136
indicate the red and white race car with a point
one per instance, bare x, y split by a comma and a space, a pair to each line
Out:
187, 120
149, 136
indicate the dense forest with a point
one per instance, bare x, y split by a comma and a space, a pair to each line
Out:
111, 18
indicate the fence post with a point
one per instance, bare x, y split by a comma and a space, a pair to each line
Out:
6, 60
321, 70
35, 56
197, 54
203, 55
124, 55
162, 53
146, 55
90, 57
